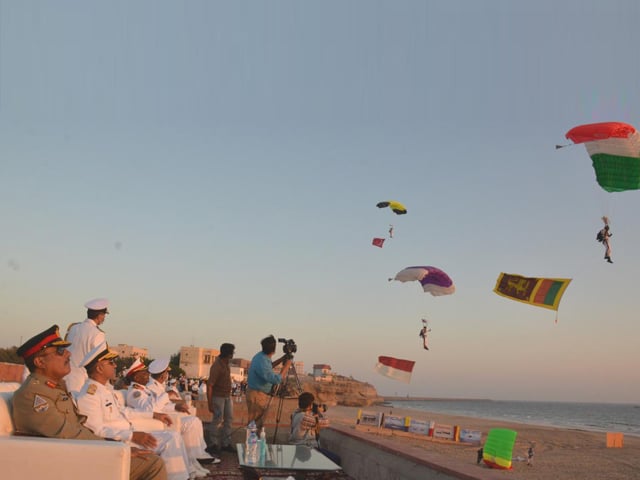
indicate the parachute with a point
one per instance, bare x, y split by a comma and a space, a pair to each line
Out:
498, 448
614, 148
432, 279
397, 207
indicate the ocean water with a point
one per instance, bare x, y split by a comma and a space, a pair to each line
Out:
599, 417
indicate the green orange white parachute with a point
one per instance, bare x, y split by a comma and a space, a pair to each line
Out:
614, 148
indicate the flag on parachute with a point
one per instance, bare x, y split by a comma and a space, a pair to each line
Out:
539, 292
395, 368
378, 242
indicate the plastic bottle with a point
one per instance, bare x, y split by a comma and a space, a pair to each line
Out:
263, 446
252, 449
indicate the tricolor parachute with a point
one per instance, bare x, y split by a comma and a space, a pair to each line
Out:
614, 148
397, 207
432, 279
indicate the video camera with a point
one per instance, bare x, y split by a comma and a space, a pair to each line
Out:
289, 347
317, 408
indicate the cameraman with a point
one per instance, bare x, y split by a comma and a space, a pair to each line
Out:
261, 379
306, 423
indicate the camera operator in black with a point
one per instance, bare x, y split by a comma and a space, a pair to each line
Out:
261, 378
306, 423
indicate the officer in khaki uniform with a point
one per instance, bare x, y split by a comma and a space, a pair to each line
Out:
42, 405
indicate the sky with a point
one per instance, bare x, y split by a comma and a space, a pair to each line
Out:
213, 169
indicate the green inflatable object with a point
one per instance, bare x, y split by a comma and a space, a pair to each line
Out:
498, 448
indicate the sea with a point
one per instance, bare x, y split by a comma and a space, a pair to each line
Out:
597, 417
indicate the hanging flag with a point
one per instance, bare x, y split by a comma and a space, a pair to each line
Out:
540, 292
395, 368
378, 242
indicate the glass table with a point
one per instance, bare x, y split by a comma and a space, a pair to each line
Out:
285, 460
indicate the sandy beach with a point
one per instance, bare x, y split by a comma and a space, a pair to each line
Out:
560, 454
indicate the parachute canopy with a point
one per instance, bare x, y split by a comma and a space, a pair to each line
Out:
498, 448
614, 148
432, 279
397, 207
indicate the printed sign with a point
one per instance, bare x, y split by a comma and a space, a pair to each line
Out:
370, 419
470, 436
420, 427
394, 422
443, 431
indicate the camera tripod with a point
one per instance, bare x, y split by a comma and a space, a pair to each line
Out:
281, 390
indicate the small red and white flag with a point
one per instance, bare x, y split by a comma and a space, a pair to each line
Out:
378, 242
395, 368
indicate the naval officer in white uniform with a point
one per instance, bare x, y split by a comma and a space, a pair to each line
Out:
84, 337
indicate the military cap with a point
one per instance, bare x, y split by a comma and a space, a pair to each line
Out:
49, 338
98, 304
159, 365
136, 366
100, 352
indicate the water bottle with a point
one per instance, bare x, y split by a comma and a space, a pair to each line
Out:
263, 446
252, 449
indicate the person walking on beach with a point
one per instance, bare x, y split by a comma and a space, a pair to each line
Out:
219, 401
42, 406
530, 453
84, 337
262, 378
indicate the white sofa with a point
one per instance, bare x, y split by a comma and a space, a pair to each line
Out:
35, 457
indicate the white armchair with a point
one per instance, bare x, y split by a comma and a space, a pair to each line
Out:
35, 457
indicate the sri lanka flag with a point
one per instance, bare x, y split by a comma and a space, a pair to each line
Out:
540, 292
395, 368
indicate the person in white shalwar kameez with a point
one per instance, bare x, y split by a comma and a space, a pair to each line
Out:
84, 337
107, 418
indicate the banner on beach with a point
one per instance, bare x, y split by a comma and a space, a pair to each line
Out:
395, 368
539, 292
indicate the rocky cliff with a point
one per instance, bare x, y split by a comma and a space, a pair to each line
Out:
341, 391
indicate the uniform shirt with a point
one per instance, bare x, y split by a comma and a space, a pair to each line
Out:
261, 374
140, 397
219, 382
84, 337
161, 401
105, 416
44, 407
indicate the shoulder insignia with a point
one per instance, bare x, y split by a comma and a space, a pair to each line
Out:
40, 404
136, 394
69, 329
137, 386
51, 384
91, 389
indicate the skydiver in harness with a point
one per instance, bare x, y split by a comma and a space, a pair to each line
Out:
423, 333
603, 236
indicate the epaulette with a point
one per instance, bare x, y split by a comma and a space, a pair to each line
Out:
69, 328
137, 386
91, 389
51, 384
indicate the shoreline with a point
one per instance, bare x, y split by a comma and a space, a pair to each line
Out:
560, 453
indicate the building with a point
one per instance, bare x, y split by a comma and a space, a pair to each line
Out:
322, 372
196, 361
125, 351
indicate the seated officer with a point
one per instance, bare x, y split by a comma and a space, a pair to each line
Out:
107, 418
42, 405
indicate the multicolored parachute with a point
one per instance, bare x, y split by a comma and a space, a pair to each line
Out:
432, 279
397, 207
614, 148
498, 448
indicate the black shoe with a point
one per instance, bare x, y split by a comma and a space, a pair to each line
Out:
209, 460
212, 450
229, 448
609, 260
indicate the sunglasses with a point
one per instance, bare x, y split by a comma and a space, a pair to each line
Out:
58, 351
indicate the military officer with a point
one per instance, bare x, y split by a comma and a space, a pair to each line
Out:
190, 425
84, 337
107, 418
141, 398
42, 405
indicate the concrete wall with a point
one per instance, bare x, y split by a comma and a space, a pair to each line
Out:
366, 457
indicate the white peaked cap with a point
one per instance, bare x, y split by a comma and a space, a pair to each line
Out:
97, 304
159, 365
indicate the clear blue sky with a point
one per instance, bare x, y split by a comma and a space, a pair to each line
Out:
213, 168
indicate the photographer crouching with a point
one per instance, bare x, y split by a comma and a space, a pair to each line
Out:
262, 378
306, 423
